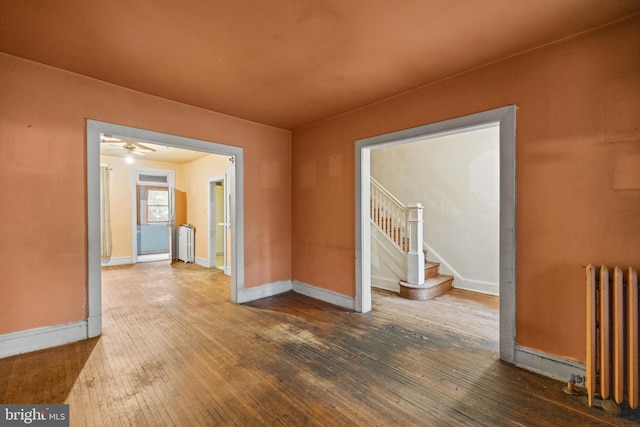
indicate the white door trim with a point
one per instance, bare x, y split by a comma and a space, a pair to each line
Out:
94, 128
211, 219
230, 210
506, 118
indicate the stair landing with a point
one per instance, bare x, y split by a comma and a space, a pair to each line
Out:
432, 287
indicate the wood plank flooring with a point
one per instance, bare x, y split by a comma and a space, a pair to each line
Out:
176, 351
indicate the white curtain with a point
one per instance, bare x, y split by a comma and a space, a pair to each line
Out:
105, 213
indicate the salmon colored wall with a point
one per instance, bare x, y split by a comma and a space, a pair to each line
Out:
578, 120
196, 174
120, 193
43, 273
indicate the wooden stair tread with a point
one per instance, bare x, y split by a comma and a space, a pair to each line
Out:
431, 282
431, 288
440, 279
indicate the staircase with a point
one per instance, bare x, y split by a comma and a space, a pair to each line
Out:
435, 284
394, 220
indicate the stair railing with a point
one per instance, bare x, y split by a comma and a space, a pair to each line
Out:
389, 214
403, 225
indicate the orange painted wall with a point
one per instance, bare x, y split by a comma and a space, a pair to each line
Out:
43, 257
578, 124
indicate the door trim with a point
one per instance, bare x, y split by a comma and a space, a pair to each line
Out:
212, 234
94, 128
506, 118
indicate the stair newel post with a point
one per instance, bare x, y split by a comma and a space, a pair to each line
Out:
415, 256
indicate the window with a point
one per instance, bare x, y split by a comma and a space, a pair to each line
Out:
157, 204
149, 178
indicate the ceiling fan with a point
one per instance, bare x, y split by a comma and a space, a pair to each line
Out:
130, 147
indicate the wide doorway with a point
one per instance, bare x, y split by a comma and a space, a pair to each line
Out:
157, 203
504, 118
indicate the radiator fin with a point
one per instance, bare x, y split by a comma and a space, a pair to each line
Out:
612, 369
591, 333
605, 333
632, 310
618, 337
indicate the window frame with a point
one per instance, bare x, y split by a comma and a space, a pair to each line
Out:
148, 205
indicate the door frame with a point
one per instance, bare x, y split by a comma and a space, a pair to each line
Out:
93, 130
171, 182
506, 118
228, 213
212, 233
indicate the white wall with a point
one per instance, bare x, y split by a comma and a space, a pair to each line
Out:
456, 178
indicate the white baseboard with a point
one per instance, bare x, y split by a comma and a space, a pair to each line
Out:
550, 366
203, 262
275, 288
120, 260
385, 283
41, 338
263, 291
324, 295
478, 286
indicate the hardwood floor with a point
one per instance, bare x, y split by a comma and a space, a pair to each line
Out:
176, 351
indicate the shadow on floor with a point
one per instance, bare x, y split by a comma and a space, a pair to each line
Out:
45, 376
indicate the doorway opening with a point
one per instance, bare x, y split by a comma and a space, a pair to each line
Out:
453, 181
219, 237
158, 205
504, 118
153, 211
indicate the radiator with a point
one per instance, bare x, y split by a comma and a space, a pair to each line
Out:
612, 334
186, 252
